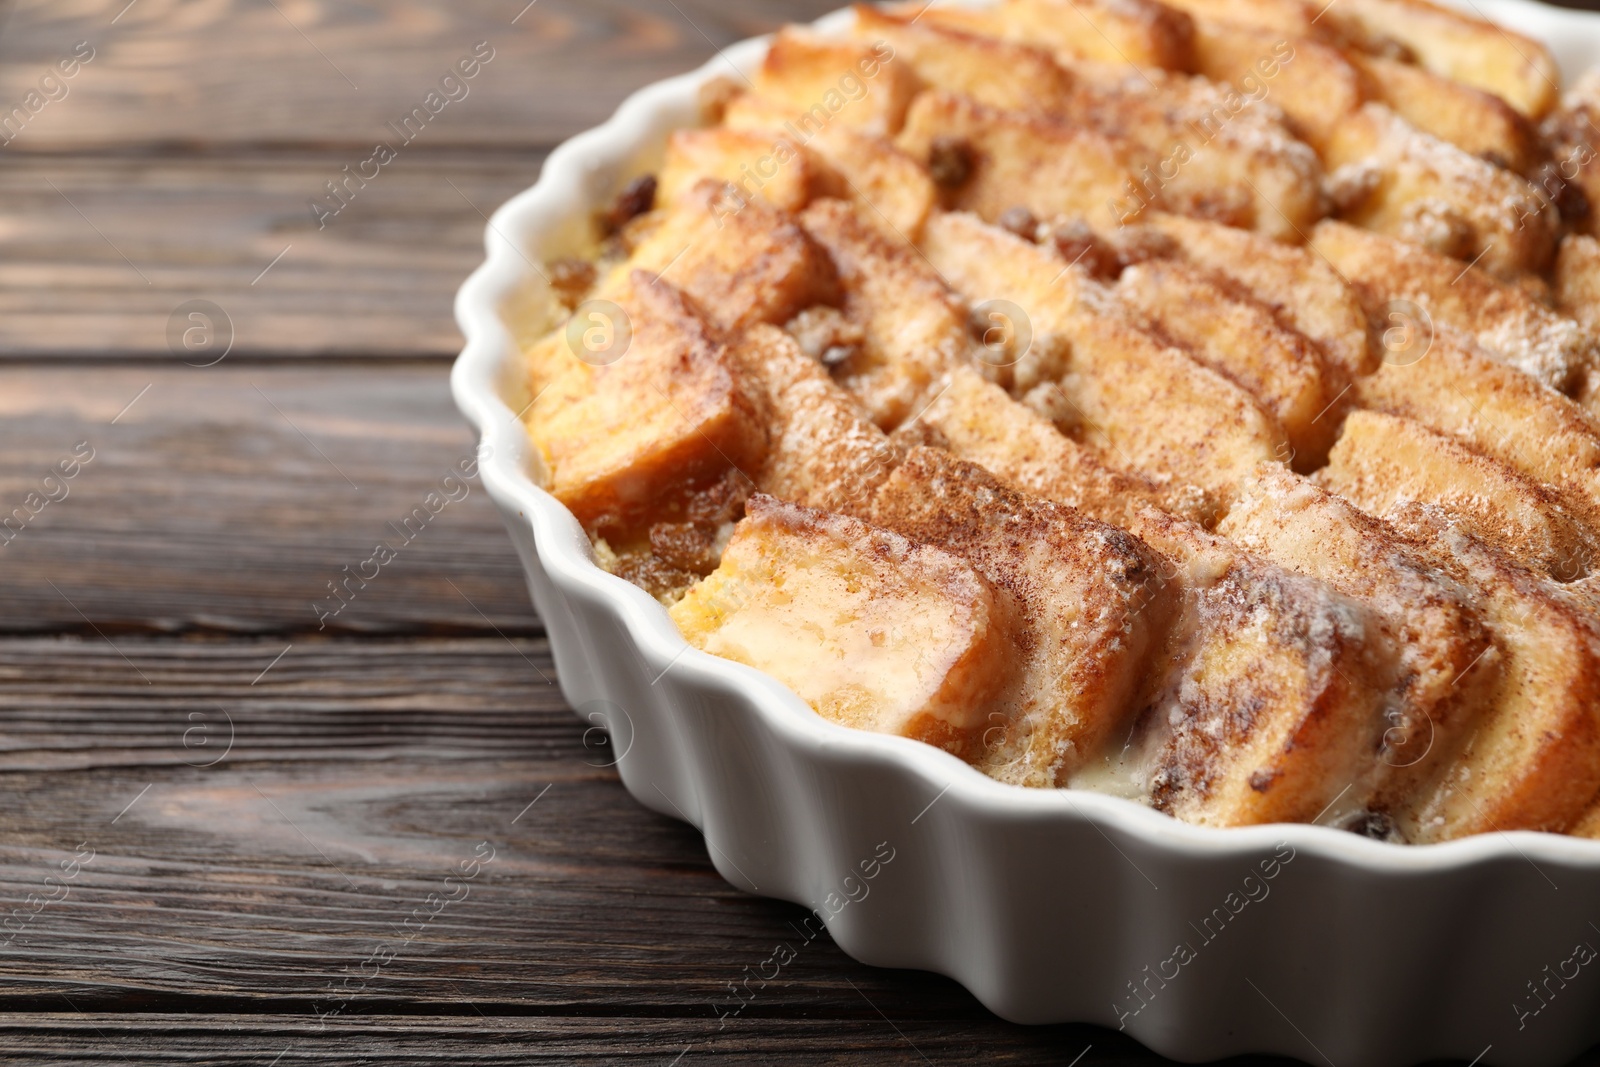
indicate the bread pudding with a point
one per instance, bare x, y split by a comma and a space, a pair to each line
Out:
1196, 401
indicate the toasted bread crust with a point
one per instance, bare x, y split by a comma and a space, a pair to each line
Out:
978, 422
805, 74
1428, 192
1503, 318
1226, 329
997, 73
823, 451
996, 377
1470, 118
1458, 390
1426, 619
741, 261
739, 158
1519, 70
913, 640
1320, 87
1532, 761
863, 166
1303, 288
1139, 402
1089, 597
1023, 160
1266, 709
913, 329
1141, 32
1209, 152
1383, 461
672, 412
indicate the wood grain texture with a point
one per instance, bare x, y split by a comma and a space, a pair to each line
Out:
254, 877
266, 801
97, 254
167, 73
227, 498
255, 1040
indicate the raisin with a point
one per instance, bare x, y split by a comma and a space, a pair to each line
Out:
1374, 824
1020, 221
1567, 197
685, 546
656, 577
1138, 245
571, 280
1352, 185
950, 162
635, 199
825, 335
1079, 245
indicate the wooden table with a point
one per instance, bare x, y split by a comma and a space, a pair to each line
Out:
225, 829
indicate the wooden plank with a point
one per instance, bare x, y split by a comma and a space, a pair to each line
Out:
254, 877
228, 498
221, 890
491, 1040
339, 72
99, 255
266, 874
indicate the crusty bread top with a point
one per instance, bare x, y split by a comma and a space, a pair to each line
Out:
1187, 408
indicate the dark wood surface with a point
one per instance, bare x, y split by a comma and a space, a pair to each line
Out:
250, 803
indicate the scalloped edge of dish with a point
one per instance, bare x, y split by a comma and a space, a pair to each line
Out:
551, 218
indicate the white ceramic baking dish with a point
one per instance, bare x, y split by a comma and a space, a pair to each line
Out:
1049, 906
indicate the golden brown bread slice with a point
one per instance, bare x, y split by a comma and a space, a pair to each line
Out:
1503, 318
1465, 49
1426, 617
1291, 18
1270, 702
872, 630
1588, 825
1314, 83
1305, 291
1383, 461
618, 438
913, 329
1473, 120
1532, 759
865, 167
1317, 84
1241, 614
998, 73
1143, 33
1089, 600
1456, 389
1228, 331
1140, 32
1409, 184
777, 171
741, 263
824, 452
1577, 280
1194, 145
1571, 135
989, 161
1199, 429
820, 81
1140, 402
1208, 151
978, 422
